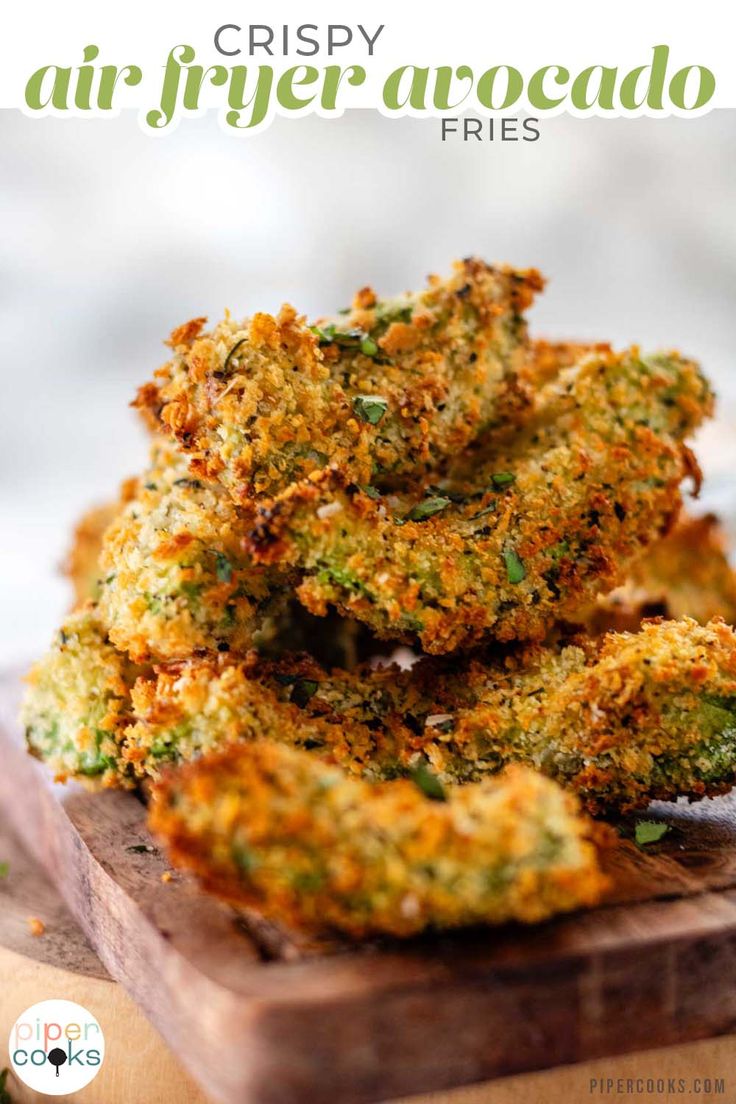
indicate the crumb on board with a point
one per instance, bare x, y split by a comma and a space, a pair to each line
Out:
167, 876
36, 926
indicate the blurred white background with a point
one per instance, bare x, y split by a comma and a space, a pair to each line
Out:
111, 237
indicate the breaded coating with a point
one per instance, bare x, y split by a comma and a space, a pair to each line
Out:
546, 359
280, 830
687, 574
202, 705
78, 711
82, 561
177, 580
621, 721
176, 577
77, 703
160, 604
389, 390
525, 531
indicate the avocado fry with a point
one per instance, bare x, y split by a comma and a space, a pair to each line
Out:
77, 704
280, 830
390, 389
621, 721
525, 530
176, 578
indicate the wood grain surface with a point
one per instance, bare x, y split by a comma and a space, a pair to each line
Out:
258, 1015
139, 1068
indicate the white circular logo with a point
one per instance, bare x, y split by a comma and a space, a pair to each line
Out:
56, 1047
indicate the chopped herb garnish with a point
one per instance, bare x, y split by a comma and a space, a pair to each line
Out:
355, 338
348, 337
371, 492
649, 831
388, 312
223, 567
515, 570
324, 333
302, 691
232, 352
370, 408
503, 479
557, 551
447, 492
186, 482
428, 508
489, 509
428, 782
4, 869
150, 486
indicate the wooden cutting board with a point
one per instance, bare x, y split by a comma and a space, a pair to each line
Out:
60, 963
262, 1016
139, 1068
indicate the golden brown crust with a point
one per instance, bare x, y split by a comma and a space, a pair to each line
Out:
81, 565
176, 578
276, 829
393, 388
547, 359
621, 721
524, 531
77, 703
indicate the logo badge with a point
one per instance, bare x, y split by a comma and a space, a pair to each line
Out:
56, 1047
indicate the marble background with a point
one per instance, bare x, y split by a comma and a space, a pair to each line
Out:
110, 237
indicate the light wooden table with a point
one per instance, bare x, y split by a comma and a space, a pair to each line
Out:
139, 1068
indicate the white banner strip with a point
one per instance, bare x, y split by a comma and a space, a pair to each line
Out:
250, 62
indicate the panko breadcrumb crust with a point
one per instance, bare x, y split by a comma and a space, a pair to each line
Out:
385, 392
523, 532
277, 829
77, 703
620, 721
453, 565
176, 578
